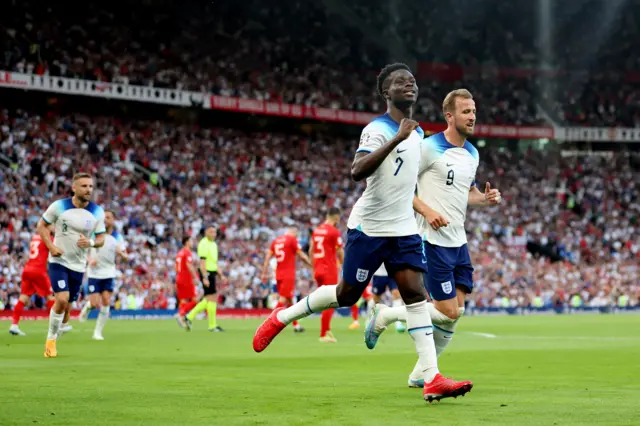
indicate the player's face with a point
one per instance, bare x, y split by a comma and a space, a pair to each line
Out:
211, 233
403, 90
109, 220
464, 117
83, 189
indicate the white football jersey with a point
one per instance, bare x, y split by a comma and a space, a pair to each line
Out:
106, 256
447, 174
71, 223
385, 209
381, 272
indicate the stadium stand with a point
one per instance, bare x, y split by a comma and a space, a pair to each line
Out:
569, 225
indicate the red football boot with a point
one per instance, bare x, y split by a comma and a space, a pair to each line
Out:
441, 387
267, 331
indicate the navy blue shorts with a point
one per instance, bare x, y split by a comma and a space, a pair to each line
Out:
98, 285
380, 284
363, 255
448, 267
64, 279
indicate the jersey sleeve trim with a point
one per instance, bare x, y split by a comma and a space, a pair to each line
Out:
46, 221
364, 150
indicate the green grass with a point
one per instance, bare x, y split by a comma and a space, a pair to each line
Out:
539, 370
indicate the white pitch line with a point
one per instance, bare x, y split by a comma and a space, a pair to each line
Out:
487, 335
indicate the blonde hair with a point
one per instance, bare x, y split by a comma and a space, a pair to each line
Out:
82, 175
449, 103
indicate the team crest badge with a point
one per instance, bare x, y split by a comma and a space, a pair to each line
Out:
362, 275
447, 287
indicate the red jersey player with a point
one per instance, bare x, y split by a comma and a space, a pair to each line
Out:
185, 282
327, 256
285, 248
35, 280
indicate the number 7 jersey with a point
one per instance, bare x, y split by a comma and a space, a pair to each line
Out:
385, 209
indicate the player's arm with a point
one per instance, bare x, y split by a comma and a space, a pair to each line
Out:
99, 231
372, 151
490, 196
192, 269
120, 251
202, 254
435, 219
302, 255
311, 257
340, 255
43, 230
265, 267
92, 259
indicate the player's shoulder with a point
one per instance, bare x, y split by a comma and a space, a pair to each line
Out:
117, 236
382, 125
468, 146
95, 209
386, 125
63, 204
437, 141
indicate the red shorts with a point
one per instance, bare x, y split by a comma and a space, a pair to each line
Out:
35, 281
185, 289
286, 287
327, 279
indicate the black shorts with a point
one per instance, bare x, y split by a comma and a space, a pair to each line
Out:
212, 283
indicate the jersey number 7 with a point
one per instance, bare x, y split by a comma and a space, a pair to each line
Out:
399, 162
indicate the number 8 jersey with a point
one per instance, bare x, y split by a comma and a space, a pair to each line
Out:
447, 174
385, 209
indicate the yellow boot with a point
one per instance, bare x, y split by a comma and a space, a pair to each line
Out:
50, 349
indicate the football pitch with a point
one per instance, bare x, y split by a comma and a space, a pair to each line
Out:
527, 370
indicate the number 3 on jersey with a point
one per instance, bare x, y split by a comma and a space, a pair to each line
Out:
318, 251
399, 162
34, 249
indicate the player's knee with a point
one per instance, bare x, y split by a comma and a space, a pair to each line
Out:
450, 311
347, 295
411, 295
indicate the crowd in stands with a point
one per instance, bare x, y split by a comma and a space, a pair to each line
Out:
566, 227
303, 53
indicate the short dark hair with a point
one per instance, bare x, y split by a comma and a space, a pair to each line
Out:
110, 211
386, 72
334, 211
185, 239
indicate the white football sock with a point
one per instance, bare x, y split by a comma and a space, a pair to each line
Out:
438, 317
87, 307
324, 297
393, 314
398, 303
103, 316
421, 330
442, 335
370, 304
54, 324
